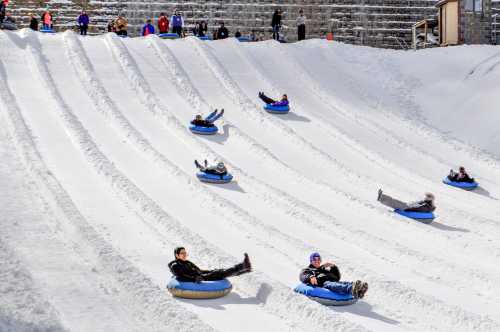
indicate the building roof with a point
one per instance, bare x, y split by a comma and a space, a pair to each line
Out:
442, 2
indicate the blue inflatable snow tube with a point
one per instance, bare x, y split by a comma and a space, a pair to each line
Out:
277, 109
168, 35
203, 38
244, 39
47, 31
203, 130
461, 185
425, 217
324, 296
202, 290
212, 178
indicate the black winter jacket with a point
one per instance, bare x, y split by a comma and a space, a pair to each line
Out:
185, 270
461, 178
322, 274
202, 123
421, 206
276, 21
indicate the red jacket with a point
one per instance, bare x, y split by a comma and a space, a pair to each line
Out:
163, 24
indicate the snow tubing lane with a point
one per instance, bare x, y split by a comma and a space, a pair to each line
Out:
277, 109
324, 296
203, 130
212, 178
425, 217
461, 185
202, 290
168, 35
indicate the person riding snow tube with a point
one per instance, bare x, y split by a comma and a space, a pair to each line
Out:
189, 281
273, 106
420, 210
206, 126
213, 174
321, 283
460, 180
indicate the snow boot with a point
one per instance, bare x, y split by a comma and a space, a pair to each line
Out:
246, 263
362, 290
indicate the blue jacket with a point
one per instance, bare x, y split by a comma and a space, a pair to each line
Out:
148, 29
83, 19
176, 21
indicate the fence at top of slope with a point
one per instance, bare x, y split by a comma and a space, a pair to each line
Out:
380, 23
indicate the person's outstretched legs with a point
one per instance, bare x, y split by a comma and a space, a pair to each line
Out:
391, 202
236, 270
216, 116
266, 99
339, 287
211, 115
200, 167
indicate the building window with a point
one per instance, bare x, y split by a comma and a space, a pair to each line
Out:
474, 5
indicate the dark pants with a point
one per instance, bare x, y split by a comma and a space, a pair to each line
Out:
223, 273
83, 29
122, 33
301, 31
276, 32
266, 99
177, 30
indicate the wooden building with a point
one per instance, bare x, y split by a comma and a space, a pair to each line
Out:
464, 22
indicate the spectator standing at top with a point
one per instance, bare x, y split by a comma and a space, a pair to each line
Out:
202, 29
33, 22
83, 23
148, 28
121, 26
222, 32
276, 24
47, 20
237, 34
253, 36
163, 23
3, 8
196, 29
301, 25
177, 23
9, 23
112, 26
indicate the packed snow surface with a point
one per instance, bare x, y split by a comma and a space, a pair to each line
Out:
98, 183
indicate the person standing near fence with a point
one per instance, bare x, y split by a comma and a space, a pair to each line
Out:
276, 24
163, 23
301, 25
33, 22
177, 23
83, 23
47, 20
121, 26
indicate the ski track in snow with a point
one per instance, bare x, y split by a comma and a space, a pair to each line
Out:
117, 113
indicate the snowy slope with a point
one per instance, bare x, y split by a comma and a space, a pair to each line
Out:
99, 183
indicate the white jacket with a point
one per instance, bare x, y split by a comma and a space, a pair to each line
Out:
301, 20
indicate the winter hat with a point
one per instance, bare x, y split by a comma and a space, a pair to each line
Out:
429, 196
314, 255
